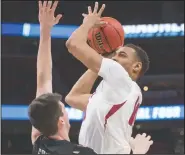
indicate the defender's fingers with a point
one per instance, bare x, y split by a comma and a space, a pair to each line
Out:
54, 6
58, 17
44, 4
40, 4
49, 5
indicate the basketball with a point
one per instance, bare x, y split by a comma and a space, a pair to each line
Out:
106, 39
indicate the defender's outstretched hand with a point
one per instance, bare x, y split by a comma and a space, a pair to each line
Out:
47, 13
141, 143
93, 18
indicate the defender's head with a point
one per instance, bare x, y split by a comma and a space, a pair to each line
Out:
134, 59
48, 115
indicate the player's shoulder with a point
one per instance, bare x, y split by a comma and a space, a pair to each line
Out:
136, 90
81, 150
115, 67
136, 87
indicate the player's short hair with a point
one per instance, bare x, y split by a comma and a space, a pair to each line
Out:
142, 56
44, 112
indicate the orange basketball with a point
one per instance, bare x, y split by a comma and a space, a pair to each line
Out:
106, 38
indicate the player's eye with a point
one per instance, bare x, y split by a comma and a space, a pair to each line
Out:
122, 54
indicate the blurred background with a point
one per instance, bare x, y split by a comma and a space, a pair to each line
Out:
156, 26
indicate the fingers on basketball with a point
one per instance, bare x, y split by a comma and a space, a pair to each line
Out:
89, 10
84, 15
101, 10
95, 11
96, 7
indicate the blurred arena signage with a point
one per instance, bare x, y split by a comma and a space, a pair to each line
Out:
64, 31
170, 112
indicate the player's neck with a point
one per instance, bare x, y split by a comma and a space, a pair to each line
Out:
133, 78
59, 137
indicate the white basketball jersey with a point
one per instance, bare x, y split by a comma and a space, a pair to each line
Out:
111, 111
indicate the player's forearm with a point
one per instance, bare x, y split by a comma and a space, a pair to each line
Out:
77, 43
84, 84
79, 95
44, 60
78, 47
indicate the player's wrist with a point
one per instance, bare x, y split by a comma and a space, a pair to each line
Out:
45, 28
87, 25
45, 31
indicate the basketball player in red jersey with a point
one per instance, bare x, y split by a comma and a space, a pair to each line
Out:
111, 110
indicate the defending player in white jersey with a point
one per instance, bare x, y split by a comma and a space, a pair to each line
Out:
111, 110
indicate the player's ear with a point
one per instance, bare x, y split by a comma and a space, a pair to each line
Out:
137, 67
61, 121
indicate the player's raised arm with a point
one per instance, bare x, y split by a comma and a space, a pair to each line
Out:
77, 43
44, 60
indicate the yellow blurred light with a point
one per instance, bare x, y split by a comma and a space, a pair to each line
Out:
145, 88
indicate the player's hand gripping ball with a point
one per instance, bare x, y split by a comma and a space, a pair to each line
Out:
106, 38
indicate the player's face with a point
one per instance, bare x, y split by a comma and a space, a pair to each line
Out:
64, 125
65, 116
126, 57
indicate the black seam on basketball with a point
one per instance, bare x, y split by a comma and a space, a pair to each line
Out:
106, 39
117, 32
94, 43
